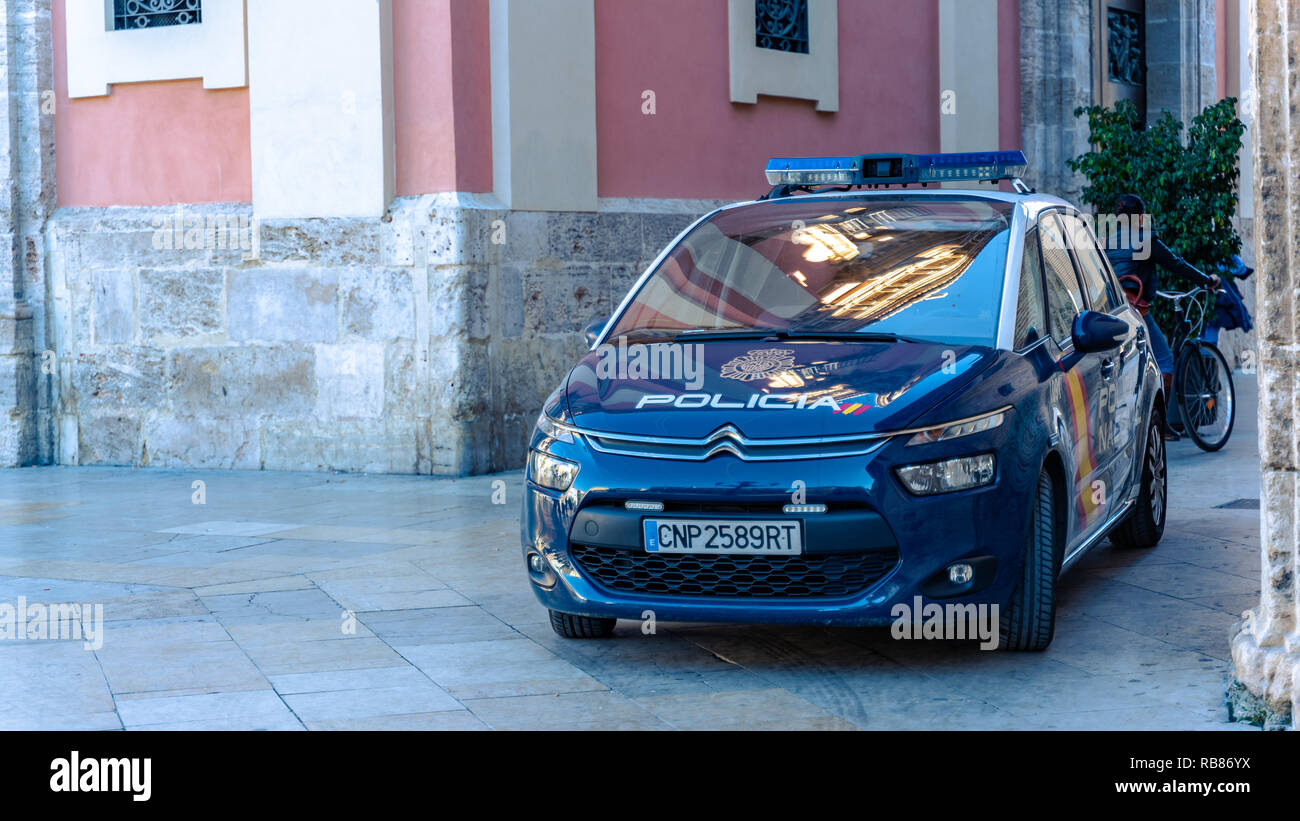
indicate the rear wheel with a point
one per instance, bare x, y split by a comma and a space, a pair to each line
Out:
581, 627
1029, 619
1204, 392
1145, 524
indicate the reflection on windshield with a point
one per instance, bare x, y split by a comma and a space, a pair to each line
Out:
928, 268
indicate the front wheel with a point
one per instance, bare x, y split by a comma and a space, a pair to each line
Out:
581, 627
1204, 392
1029, 619
1145, 524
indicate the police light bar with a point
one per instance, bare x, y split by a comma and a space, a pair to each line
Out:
813, 170
901, 169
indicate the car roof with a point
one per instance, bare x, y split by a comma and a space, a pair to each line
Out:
1032, 203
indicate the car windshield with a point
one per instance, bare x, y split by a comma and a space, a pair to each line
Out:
916, 268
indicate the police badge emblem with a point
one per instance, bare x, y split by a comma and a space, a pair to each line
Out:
758, 364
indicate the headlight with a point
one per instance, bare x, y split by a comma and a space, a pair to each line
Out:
949, 475
551, 472
943, 433
555, 430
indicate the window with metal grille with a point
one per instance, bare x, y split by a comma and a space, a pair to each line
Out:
144, 14
781, 25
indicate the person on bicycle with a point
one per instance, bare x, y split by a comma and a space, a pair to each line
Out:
1142, 279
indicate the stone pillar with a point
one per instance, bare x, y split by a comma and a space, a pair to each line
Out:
1266, 644
1056, 77
26, 198
1181, 75
320, 98
544, 104
968, 67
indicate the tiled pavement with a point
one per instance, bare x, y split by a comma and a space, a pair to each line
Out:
231, 614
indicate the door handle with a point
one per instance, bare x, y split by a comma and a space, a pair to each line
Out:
1107, 368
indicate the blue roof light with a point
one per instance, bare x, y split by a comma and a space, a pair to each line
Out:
971, 165
812, 170
901, 169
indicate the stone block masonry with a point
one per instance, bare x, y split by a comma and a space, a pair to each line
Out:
422, 342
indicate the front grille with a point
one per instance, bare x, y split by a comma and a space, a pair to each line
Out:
810, 575
724, 508
729, 439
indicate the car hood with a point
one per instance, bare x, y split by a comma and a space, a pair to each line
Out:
766, 388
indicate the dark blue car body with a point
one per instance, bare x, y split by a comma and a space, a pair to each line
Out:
1082, 417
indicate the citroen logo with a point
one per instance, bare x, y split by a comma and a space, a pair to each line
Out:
726, 439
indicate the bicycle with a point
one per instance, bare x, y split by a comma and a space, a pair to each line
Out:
1204, 395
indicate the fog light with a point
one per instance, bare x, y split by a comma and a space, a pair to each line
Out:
804, 509
536, 563
960, 573
634, 504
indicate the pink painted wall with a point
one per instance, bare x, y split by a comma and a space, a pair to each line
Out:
1009, 125
699, 144
472, 80
424, 125
148, 143
442, 96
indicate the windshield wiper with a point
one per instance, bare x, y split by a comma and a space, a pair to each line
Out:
863, 336
727, 333
775, 333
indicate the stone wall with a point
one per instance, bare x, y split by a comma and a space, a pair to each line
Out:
1055, 78
26, 197
1181, 73
421, 342
1266, 643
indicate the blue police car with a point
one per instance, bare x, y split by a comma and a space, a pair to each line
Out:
846, 395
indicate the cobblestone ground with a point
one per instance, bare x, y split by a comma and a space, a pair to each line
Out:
230, 615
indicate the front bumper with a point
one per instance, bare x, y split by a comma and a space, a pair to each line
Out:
910, 540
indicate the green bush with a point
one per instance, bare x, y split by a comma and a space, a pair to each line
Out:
1190, 190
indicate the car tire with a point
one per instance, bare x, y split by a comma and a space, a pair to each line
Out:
1145, 524
1029, 618
581, 627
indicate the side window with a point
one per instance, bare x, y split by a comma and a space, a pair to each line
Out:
1031, 321
1064, 297
1103, 294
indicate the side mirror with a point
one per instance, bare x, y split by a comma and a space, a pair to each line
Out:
1093, 332
593, 329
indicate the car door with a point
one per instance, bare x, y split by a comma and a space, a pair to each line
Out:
1121, 369
1084, 402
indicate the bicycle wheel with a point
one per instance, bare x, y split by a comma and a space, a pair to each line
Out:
1204, 392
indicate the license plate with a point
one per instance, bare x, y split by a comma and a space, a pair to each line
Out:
767, 537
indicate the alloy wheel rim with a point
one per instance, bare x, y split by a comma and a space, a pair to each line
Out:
1156, 461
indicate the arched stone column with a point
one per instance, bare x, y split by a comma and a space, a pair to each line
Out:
1266, 645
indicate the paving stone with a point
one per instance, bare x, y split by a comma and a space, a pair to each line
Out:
255, 709
498, 668
207, 608
446, 720
566, 711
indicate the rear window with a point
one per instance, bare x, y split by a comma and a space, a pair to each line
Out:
930, 268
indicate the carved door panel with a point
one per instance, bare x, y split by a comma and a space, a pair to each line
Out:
1119, 50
